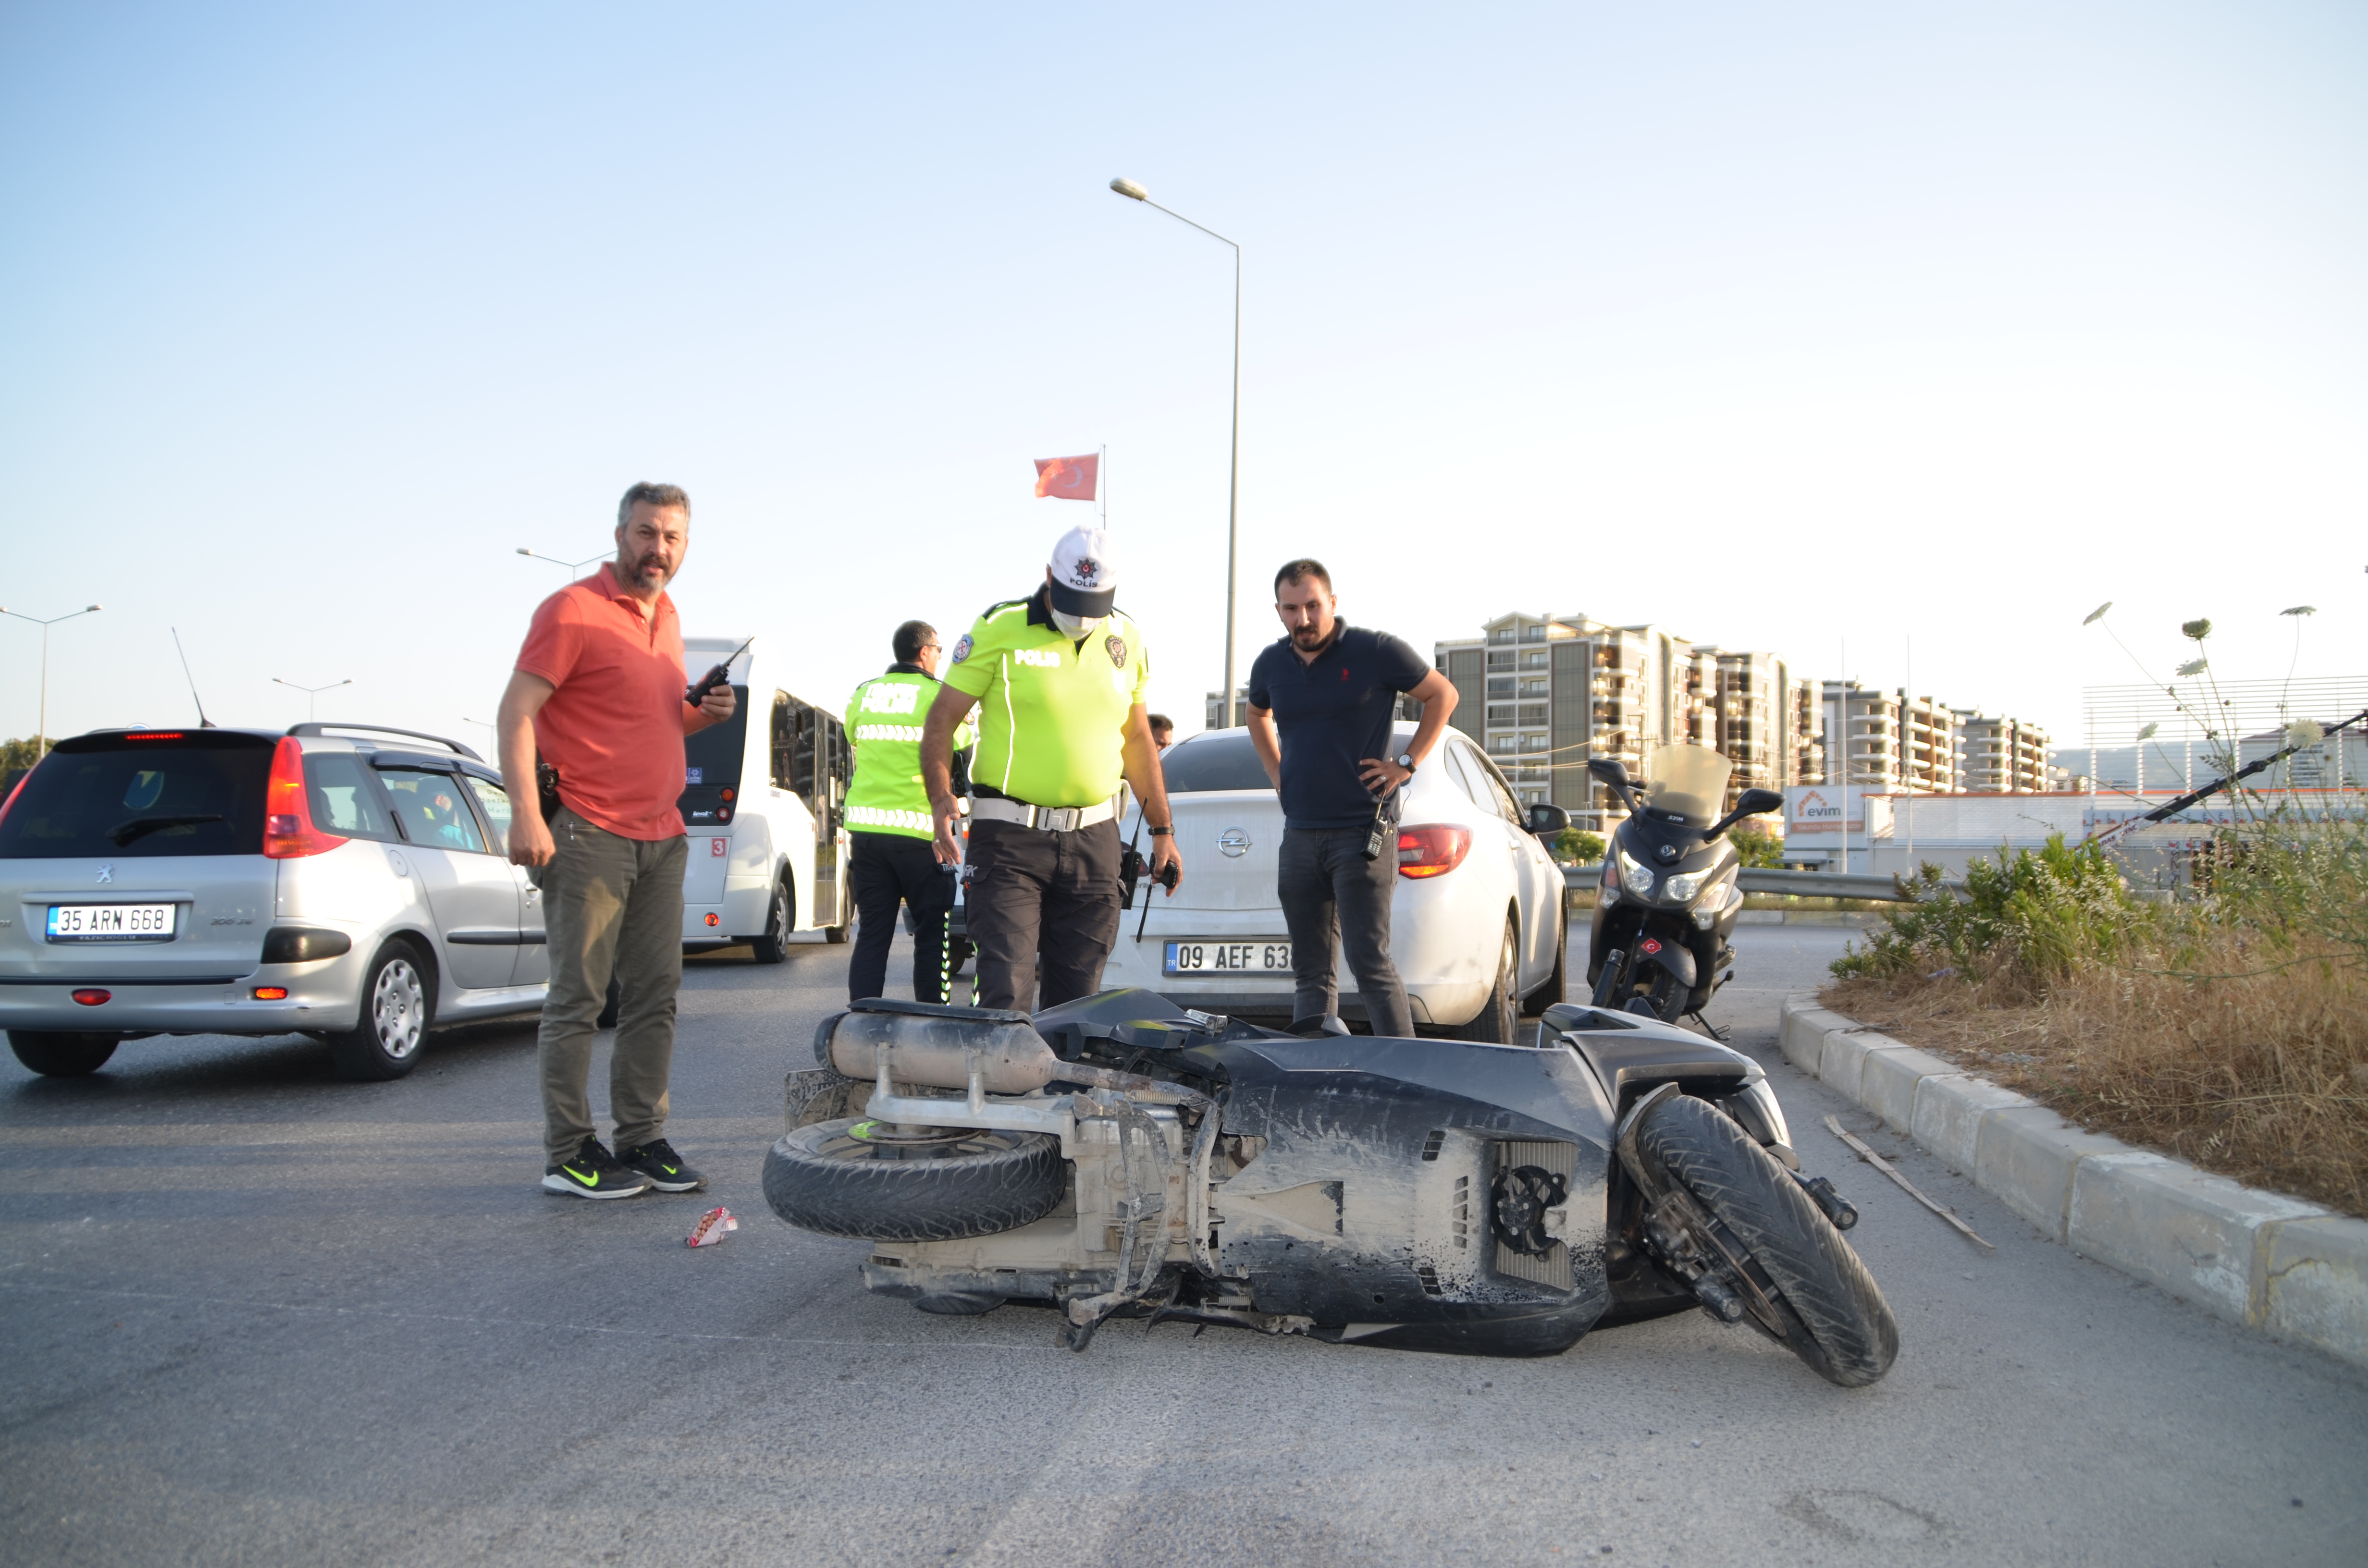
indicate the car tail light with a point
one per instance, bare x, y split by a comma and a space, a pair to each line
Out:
1432, 849
271, 993
13, 794
93, 998
287, 830
155, 735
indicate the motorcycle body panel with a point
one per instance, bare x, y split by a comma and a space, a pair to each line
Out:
1367, 1210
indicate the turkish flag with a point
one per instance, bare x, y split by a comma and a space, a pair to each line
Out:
1068, 479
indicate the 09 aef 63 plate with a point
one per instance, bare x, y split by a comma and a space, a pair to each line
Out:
111, 922
1190, 957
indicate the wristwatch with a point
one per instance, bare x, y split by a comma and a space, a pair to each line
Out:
1406, 760
1163, 832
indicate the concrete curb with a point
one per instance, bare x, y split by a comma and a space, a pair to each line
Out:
2293, 1270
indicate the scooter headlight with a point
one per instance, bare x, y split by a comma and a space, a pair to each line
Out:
1635, 876
1683, 889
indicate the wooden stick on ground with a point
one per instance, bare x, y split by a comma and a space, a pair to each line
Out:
1834, 1126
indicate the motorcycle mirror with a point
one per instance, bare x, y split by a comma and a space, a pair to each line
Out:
1548, 821
1610, 769
1751, 803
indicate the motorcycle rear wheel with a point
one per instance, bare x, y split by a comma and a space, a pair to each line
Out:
1834, 1314
827, 1178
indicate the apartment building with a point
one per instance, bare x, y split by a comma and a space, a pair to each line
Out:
1892, 741
2000, 756
1542, 693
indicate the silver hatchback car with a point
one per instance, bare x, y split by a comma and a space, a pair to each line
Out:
342, 880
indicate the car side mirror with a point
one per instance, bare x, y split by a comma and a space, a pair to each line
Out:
1548, 821
1610, 769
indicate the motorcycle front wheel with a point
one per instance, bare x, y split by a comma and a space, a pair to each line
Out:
1832, 1313
858, 1177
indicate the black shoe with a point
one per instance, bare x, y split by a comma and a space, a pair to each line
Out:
594, 1172
658, 1164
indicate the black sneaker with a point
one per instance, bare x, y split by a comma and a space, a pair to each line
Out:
595, 1173
658, 1164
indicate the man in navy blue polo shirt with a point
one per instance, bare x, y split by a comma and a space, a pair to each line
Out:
1321, 702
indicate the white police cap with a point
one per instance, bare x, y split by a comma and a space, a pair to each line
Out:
1085, 579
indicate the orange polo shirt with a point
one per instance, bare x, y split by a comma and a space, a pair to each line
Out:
613, 726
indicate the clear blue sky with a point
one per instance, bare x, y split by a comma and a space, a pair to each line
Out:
1775, 325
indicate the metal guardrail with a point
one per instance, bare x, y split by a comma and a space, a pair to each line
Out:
1803, 884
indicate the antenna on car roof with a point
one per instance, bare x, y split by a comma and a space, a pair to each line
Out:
203, 722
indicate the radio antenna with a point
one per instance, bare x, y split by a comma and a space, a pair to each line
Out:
203, 722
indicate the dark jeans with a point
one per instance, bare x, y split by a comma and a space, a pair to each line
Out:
1333, 896
1032, 895
889, 868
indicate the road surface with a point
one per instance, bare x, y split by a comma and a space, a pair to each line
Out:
255, 1315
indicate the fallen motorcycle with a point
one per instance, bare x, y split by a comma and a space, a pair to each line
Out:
1124, 1156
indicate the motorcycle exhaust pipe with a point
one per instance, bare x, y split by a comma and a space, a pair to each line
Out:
936, 1052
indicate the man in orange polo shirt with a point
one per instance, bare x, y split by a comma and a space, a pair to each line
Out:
599, 688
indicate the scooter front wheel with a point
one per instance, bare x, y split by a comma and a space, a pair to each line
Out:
1831, 1311
858, 1177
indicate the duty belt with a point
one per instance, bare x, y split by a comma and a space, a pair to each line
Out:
1050, 819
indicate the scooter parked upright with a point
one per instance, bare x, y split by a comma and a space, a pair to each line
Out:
1669, 899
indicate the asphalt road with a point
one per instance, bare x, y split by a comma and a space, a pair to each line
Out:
255, 1315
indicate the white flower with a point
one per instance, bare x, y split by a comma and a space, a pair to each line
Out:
2194, 667
2148, 733
2304, 732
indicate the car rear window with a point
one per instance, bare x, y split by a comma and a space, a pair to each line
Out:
118, 797
1207, 763
343, 802
710, 777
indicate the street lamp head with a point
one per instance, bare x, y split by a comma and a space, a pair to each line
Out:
88, 611
524, 550
1131, 191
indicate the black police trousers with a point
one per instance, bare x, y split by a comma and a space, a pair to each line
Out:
1039, 903
889, 869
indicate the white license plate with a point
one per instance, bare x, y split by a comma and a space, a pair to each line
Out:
1228, 958
111, 922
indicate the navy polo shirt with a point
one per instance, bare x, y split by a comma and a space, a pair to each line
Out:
1331, 714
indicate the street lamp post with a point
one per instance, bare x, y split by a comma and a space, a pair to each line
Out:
312, 693
41, 739
571, 566
1134, 192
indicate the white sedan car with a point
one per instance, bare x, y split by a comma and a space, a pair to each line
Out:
1476, 927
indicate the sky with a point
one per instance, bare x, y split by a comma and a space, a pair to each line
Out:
1909, 330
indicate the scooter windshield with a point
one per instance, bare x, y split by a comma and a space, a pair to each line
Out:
1688, 781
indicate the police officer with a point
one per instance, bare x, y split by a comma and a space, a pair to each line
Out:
1058, 680
888, 822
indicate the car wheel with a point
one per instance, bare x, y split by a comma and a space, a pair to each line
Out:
774, 945
397, 1009
1552, 992
1496, 1021
62, 1054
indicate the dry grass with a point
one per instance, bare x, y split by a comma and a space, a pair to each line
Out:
2261, 1075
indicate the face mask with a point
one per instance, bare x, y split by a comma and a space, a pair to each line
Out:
1075, 626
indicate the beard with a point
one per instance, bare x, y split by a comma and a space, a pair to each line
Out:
648, 572
1309, 636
